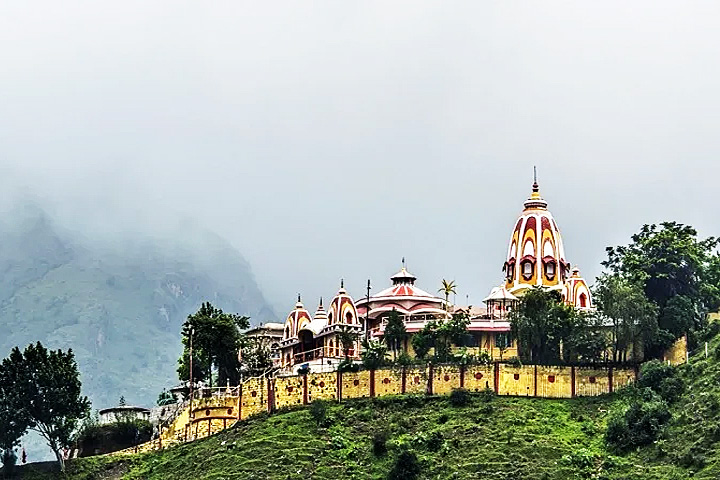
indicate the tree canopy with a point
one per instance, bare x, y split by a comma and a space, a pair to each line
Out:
395, 332
45, 394
677, 271
551, 331
217, 339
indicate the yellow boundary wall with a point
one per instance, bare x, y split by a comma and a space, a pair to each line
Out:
258, 395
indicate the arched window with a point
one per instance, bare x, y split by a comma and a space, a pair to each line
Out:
550, 269
527, 270
583, 300
348, 317
330, 318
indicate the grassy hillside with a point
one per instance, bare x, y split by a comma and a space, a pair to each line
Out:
491, 437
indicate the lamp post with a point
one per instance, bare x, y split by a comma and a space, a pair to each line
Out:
367, 312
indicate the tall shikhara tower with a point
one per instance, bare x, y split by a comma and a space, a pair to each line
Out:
536, 255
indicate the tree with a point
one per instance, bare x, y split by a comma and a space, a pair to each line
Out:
13, 425
447, 288
669, 261
543, 325
47, 393
632, 315
217, 340
447, 332
256, 357
373, 355
422, 342
395, 332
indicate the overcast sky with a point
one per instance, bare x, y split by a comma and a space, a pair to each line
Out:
330, 139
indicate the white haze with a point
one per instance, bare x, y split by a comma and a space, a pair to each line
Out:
330, 139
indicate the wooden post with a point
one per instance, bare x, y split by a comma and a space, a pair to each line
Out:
305, 390
535, 381
462, 376
497, 378
372, 383
239, 406
572, 381
431, 374
404, 379
610, 379
339, 381
271, 396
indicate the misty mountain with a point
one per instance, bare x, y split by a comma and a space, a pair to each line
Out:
117, 300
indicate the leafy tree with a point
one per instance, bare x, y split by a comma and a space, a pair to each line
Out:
373, 355
422, 342
347, 339
633, 317
447, 332
12, 425
47, 393
395, 332
217, 340
543, 324
669, 261
165, 398
256, 357
447, 288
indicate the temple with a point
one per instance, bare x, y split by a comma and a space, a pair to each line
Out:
535, 258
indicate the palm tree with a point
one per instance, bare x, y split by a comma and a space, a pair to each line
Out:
448, 288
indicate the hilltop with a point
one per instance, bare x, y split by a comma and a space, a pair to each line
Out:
491, 437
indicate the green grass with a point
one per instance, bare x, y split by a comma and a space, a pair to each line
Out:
500, 438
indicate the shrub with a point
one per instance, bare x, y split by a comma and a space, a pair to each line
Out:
487, 395
459, 397
319, 412
515, 362
347, 365
653, 373
639, 425
443, 418
379, 442
671, 389
404, 359
405, 467
484, 358
9, 459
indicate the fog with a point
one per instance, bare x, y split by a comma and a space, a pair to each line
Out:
328, 140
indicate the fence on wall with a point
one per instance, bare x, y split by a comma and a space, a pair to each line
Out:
264, 394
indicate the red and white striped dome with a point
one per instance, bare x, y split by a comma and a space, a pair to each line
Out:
342, 309
298, 319
576, 291
536, 256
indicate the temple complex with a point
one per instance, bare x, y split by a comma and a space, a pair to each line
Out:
535, 258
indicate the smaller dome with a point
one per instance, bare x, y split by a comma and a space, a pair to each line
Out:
403, 277
576, 291
342, 309
297, 319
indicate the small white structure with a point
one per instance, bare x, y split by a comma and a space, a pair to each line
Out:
123, 413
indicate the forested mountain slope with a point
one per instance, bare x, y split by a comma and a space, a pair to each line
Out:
118, 302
